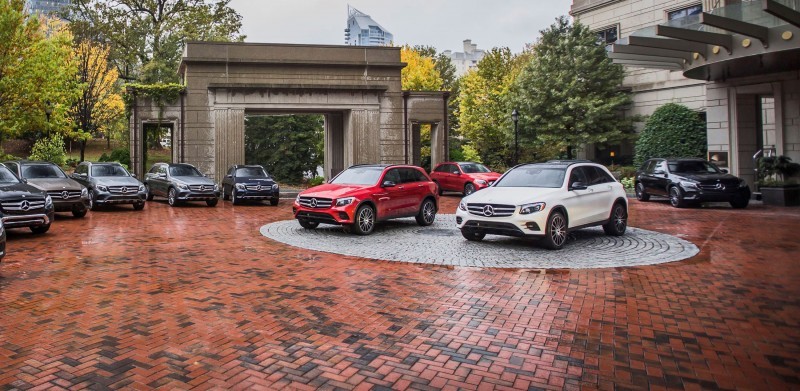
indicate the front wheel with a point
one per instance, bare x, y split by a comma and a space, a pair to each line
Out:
364, 221
172, 197
641, 195
234, 200
556, 231
676, 197
472, 236
212, 202
79, 212
307, 224
618, 222
427, 213
224, 194
138, 206
740, 202
273, 201
469, 188
149, 192
92, 201
40, 229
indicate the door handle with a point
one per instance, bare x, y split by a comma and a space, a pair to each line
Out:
401, 187
421, 185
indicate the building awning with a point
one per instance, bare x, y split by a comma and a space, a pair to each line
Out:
744, 39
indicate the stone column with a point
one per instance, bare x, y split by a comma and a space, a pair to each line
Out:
228, 140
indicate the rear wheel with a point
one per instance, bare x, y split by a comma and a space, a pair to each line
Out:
364, 221
212, 202
618, 222
676, 197
40, 229
307, 224
641, 195
138, 206
556, 231
469, 188
427, 213
472, 236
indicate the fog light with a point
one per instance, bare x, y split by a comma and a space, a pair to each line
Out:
459, 220
294, 210
343, 216
533, 226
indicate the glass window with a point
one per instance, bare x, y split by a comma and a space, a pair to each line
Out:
692, 167
12, 166
183, 170
82, 169
103, 170
608, 36
443, 168
685, 12
393, 176
578, 174
474, 168
6, 176
409, 175
601, 176
533, 176
661, 166
251, 172
42, 171
366, 175
155, 169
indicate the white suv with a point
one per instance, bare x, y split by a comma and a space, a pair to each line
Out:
546, 201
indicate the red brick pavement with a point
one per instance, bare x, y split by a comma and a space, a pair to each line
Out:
194, 297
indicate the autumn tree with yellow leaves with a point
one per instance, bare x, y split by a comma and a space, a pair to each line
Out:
420, 73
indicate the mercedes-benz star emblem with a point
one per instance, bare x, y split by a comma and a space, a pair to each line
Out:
258, 188
720, 186
488, 211
65, 194
24, 205
202, 188
124, 190
313, 202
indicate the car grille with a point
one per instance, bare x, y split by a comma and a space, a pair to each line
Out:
258, 187
491, 210
22, 205
64, 195
318, 203
202, 188
123, 190
718, 187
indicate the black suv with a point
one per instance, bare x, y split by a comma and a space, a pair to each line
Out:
23, 205
689, 181
110, 183
249, 183
180, 182
67, 194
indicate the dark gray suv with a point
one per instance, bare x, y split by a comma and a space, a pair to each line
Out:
67, 194
180, 182
23, 205
110, 183
244, 183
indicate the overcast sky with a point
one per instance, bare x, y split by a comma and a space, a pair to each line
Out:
443, 24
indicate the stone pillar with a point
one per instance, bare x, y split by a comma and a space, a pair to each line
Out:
334, 145
364, 137
746, 129
228, 140
438, 152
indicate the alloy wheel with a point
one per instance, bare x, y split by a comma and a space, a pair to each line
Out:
366, 219
558, 231
469, 188
171, 197
620, 219
428, 212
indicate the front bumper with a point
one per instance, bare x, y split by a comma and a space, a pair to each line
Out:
517, 225
188, 195
70, 205
104, 198
257, 195
29, 220
334, 215
701, 195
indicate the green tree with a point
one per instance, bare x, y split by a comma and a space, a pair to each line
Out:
50, 149
672, 131
37, 72
287, 146
420, 73
568, 94
147, 36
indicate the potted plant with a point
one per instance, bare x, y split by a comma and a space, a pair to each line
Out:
776, 183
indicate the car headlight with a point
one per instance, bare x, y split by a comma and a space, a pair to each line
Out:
345, 201
297, 199
183, 186
216, 187
531, 208
240, 186
48, 201
141, 188
84, 193
462, 206
480, 181
742, 183
275, 187
102, 188
689, 185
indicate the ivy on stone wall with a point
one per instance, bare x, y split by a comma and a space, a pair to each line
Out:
162, 94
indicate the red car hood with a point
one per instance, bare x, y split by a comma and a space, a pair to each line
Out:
329, 190
488, 176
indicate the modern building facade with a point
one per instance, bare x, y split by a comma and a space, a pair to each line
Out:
47, 6
737, 63
362, 30
466, 60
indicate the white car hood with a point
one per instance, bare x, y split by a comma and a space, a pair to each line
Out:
511, 195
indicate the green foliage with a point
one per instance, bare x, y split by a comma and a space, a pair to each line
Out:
628, 182
50, 149
161, 94
774, 170
316, 181
672, 131
568, 95
287, 146
4, 157
470, 154
120, 155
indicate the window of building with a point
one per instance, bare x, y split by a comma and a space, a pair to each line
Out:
608, 35
685, 12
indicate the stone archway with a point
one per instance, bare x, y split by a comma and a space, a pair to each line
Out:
358, 89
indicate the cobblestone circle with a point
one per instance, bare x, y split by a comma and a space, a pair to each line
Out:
442, 244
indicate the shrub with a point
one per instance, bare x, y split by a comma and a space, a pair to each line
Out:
316, 181
627, 182
672, 131
120, 155
6, 156
49, 149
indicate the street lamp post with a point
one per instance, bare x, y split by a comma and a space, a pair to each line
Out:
515, 118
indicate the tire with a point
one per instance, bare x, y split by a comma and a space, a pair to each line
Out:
740, 202
79, 213
225, 196
93, 201
469, 188
472, 236
307, 224
364, 220
274, 201
439, 188
555, 232
427, 213
213, 202
233, 197
641, 195
40, 229
676, 197
138, 206
149, 193
172, 195
617, 222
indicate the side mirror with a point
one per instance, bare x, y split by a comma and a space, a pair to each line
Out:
724, 171
230, 176
659, 172
133, 175
456, 172
578, 186
23, 180
161, 176
388, 184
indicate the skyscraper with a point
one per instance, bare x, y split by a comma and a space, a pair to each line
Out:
362, 30
46, 6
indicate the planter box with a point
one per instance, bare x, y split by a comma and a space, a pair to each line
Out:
781, 196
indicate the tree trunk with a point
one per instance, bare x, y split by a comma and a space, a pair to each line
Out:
83, 149
569, 152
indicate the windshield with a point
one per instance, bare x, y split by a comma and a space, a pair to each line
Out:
693, 167
473, 168
6, 176
108, 170
250, 172
359, 176
183, 170
40, 171
533, 176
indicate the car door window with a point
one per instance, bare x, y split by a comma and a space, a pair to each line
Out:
421, 177
578, 174
443, 168
13, 167
82, 169
661, 167
393, 176
600, 176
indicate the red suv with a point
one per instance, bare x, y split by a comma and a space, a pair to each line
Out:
362, 195
463, 177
